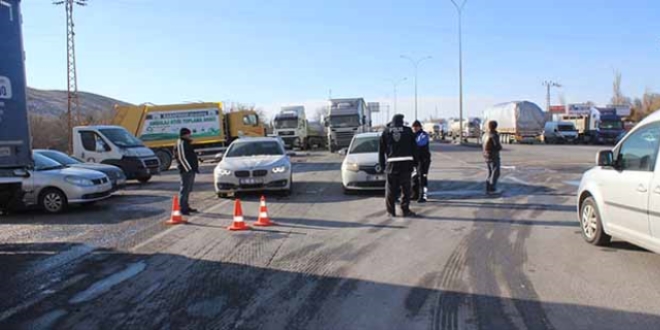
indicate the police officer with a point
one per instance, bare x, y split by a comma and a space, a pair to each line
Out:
420, 177
397, 154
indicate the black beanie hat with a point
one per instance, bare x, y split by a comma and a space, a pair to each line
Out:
184, 131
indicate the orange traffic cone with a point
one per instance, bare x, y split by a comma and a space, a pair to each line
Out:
263, 220
176, 217
239, 222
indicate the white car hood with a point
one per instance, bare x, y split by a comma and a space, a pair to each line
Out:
363, 159
239, 163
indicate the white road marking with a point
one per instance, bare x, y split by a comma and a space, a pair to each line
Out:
516, 180
107, 283
573, 183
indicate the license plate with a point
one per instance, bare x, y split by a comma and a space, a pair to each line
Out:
250, 181
375, 178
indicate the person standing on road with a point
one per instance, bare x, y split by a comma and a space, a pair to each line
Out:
188, 168
397, 154
492, 148
420, 178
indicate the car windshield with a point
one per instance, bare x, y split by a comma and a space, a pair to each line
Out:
59, 157
253, 148
614, 124
365, 145
344, 121
43, 163
121, 138
566, 128
286, 123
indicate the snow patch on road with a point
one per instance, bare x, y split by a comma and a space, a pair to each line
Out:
107, 283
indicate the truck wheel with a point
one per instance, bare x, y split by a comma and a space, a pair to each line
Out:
144, 179
53, 201
165, 157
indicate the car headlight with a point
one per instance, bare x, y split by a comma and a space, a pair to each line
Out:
223, 172
78, 181
279, 169
354, 167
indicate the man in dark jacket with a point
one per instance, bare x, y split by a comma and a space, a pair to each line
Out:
492, 148
420, 178
397, 154
188, 167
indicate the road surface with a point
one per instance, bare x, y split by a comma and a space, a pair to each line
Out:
334, 261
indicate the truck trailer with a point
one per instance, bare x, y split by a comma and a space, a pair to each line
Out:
519, 121
212, 129
15, 142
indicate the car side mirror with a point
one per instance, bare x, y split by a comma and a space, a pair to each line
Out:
343, 151
605, 158
218, 157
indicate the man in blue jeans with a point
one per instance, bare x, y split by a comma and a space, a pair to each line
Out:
188, 168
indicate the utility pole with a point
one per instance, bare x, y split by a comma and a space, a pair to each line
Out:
459, 9
415, 64
72, 79
549, 84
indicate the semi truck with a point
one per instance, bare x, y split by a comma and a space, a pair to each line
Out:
519, 121
471, 129
595, 125
15, 142
157, 126
345, 118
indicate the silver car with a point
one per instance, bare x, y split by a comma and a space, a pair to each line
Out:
253, 164
360, 169
116, 174
53, 186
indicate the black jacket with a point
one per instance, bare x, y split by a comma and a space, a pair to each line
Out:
423, 141
492, 147
186, 157
397, 146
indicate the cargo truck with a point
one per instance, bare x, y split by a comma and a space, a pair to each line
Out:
595, 125
157, 126
291, 125
15, 142
471, 129
346, 118
519, 121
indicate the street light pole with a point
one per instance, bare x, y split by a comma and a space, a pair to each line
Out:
396, 83
415, 64
459, 9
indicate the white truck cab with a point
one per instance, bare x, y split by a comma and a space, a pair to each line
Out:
621, 196
114, 145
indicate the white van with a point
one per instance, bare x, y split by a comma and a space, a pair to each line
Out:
560, 132
114, 145
621, 196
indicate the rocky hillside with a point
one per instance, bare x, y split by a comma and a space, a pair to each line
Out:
54, 103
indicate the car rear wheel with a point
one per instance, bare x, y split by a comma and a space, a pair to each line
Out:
591, 224
53, 201
144, 179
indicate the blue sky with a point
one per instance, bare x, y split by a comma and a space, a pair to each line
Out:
273, 53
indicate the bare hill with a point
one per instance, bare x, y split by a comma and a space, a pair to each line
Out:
54, 103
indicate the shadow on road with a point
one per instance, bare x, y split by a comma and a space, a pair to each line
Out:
119, 290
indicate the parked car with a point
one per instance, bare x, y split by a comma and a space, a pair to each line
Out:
560, 132
360, 169
254, 164
116, 174
621, 196
53, 186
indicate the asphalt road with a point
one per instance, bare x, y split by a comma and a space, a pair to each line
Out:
334, 261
